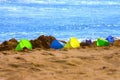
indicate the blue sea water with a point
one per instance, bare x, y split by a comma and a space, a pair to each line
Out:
84, 19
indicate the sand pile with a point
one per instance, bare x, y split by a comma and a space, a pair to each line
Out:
42, 42
8, 45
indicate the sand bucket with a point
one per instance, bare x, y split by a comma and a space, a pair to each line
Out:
102, 42
56, 44
110, 39
72, 43
24, 43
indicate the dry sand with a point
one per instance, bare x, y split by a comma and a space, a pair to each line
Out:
99, 63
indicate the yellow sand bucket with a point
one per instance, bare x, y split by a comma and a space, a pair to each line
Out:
67, 45
72, 43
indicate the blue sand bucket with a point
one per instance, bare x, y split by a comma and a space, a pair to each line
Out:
88, 41
110, 39
56, 44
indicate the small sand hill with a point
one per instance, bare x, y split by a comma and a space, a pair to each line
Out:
99, 63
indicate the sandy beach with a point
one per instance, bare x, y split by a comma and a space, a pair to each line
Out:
88, 62
98, 63
60, 40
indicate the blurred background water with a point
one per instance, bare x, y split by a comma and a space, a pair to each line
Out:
84, 19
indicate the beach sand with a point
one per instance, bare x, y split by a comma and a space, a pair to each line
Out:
85, 63
100, 63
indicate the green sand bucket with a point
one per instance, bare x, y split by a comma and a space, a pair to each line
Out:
102, 42
24, 43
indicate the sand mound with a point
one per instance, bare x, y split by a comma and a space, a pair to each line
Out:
42, 42
8, 45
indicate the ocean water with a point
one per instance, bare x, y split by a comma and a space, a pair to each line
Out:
84, 19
